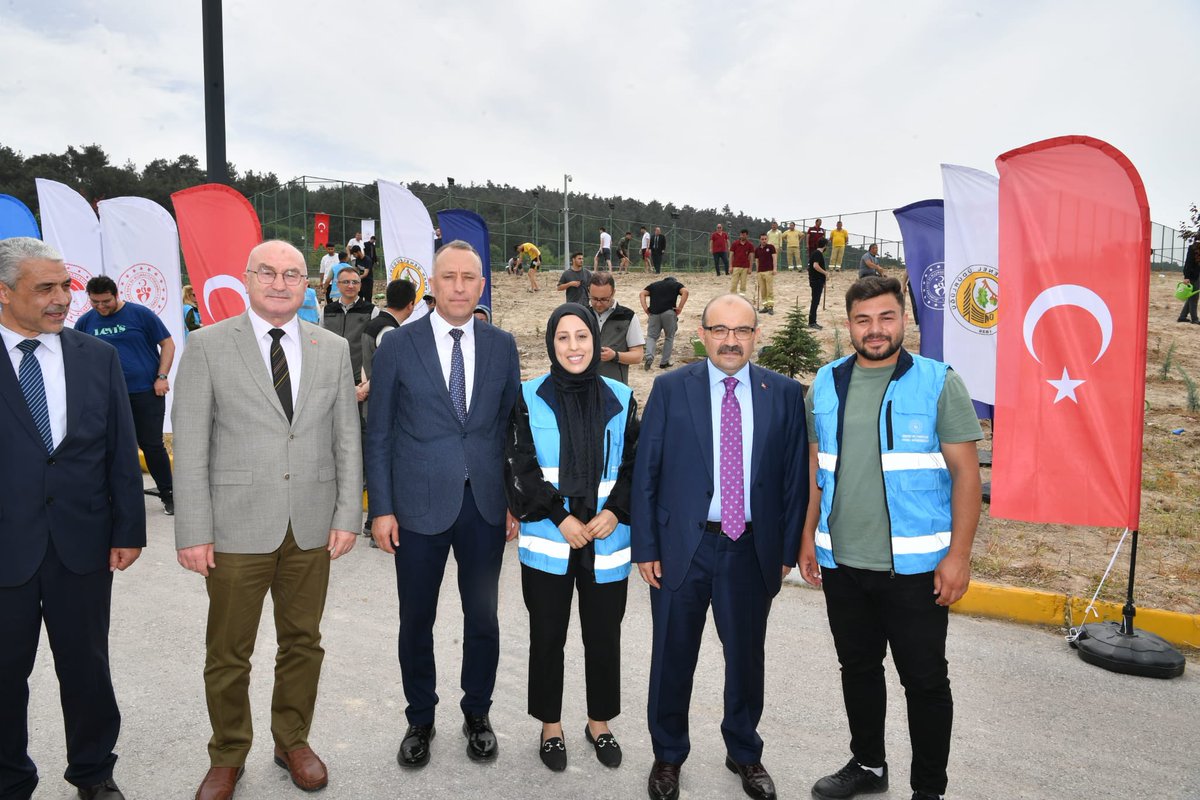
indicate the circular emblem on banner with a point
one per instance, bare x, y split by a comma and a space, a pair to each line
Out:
410, 271
933, 286
975, 295
145, 285
79, 298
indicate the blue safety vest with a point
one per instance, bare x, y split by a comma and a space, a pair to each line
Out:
541, 545
915, 479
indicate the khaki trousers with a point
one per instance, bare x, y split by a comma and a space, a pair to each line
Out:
739, 278
835, 260
766, 288
298, 581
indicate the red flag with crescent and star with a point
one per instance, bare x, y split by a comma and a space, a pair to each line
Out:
217, 230
1074, 268
320, 230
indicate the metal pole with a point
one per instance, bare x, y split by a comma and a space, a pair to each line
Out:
566, 224
214, 92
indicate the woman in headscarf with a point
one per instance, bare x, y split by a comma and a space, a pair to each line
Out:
569, 465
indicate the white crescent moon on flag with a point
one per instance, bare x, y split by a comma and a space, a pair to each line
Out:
1068, 294
225, 282
321, 226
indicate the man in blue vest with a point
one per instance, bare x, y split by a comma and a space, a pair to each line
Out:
893, 507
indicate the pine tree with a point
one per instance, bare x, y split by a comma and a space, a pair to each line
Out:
793, 351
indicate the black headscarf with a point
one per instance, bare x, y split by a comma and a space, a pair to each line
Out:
580, 413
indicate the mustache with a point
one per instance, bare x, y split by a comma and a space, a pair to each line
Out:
733, 349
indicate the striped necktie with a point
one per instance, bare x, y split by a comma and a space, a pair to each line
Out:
30, 377
279, 372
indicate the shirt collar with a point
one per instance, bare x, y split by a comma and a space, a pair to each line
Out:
262, 328
442, 328
716, 376
50, 341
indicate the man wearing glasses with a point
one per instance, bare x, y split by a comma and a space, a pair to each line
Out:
621, 339
724, 540
268, 470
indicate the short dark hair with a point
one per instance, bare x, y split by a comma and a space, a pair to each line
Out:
821, 243
643, 227
343, 255
102, 284
356, 249
629, 233
330, 245
576, 253
601, 227
430, 300
604, 279
743, 230
401, 293
873, 286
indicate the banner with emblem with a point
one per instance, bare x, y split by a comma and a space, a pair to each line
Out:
921, 225
459, 223
16, 219
972, 280
217, 230
407, 240
320, 231
70, 225
141, 253
1074, 250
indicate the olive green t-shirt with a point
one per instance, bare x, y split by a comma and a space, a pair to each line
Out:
858, 520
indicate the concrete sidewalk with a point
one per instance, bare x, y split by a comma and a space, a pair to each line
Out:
1033, 721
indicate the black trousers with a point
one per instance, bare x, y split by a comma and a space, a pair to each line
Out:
1189, 308
868, 611
149, 410
601, 609
75, 609
817, 284
656, 257
420, 564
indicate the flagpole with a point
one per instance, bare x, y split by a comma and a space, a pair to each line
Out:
214, 91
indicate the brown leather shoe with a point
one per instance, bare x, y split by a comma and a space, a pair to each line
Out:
219, 783
308, 772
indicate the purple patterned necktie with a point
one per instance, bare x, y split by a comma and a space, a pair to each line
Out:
733, 498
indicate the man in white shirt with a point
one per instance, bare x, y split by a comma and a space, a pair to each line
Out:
357, 241
645, 249
604, 254
328, 262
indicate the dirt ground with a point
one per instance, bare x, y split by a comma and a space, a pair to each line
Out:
1053, 557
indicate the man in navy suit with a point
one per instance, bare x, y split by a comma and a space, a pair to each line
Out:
723, 534
73, 514
442, 389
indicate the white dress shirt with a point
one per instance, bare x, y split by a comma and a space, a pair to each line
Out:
445, 348
716, 388
54, 375
290, 342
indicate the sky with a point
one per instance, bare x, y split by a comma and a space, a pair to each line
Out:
787, 110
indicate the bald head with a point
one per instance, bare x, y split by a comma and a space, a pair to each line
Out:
275, 281
723, 300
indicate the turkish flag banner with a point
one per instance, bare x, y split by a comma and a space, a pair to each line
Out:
217, 230
320, 231
1074, 271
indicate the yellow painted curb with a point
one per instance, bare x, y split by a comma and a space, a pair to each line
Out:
145, 469
1047, 608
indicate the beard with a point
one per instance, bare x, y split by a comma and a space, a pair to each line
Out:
893, 345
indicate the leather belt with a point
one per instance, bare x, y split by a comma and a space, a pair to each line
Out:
715, 529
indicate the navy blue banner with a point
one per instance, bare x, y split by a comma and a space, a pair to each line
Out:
16, 219
922, 225
458, 223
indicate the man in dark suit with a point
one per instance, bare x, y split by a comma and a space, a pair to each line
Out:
73, 514
658, 246
442, 389
725, 539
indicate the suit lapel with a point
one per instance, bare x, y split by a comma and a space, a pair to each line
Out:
483, 352
247, 345
76, 371
427, 352
309, 350
10, 389
761, 402
700, 402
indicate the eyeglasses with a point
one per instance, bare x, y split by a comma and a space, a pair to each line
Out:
348, 283
267, 276
742, 332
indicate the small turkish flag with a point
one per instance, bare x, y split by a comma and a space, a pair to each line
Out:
1071, 352
320, 231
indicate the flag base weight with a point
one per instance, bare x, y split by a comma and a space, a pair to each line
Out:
1107, 645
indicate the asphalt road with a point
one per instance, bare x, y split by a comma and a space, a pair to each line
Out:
1032, 720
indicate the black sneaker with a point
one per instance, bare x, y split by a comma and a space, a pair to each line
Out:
926, 796
646, 364
168, 501
815, 327
666, 365
849, 781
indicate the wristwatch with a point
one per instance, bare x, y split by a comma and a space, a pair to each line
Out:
160, 377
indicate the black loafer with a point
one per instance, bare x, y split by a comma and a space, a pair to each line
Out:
101, 791
756, 781
554, 753
664, 781
608, 752
414, 748
481, 741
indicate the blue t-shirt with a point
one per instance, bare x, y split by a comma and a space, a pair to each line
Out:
309, 311
135, 331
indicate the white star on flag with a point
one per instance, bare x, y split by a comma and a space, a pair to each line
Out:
1066, 387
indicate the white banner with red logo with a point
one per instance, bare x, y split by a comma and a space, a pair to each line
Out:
70, 225
407, 240
141, 253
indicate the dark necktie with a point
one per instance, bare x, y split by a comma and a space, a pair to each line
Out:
458, 377
279, 372
733, 496
30, 377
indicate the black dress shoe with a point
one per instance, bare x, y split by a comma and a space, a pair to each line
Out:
481, 741
414, 748
849, 781
554, 753
664, 781
101, 791
608, 752
756, 782
168, 501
